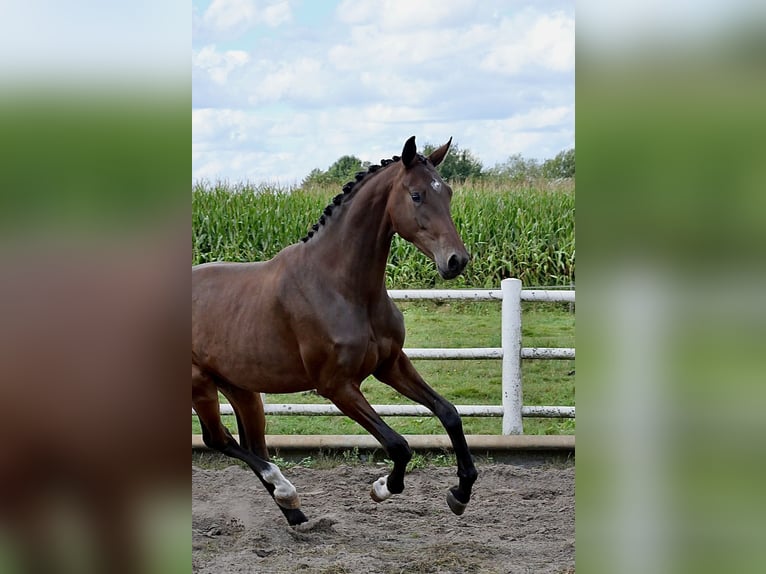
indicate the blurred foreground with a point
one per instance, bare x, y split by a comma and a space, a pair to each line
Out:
94, 413
671, 216
94, 289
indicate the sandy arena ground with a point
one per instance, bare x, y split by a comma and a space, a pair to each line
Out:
520, 520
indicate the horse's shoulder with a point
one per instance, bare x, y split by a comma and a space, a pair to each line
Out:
388, 318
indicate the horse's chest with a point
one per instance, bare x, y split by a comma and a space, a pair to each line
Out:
385, 340
363, 342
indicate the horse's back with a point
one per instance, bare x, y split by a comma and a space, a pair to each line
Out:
217, 270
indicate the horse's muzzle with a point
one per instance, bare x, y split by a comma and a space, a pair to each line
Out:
455, 265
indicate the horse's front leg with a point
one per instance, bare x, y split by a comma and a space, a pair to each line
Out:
402, 376
350, 400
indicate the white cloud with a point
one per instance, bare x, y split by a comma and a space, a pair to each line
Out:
533, 133
217, 64
392, 87
302, 79
538, 118
223, 128
371, 47
405, 15
244, 144
233, 17
277, 13
530, 39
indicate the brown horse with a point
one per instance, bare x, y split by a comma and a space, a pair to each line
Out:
317, 316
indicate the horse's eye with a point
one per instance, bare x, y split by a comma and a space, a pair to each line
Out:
416, 197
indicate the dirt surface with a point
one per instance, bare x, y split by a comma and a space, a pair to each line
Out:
520, 520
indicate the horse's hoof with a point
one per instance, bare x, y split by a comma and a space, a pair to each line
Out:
454, 504
295, 518
288, 502
379, 491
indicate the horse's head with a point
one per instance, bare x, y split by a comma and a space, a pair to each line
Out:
419, 207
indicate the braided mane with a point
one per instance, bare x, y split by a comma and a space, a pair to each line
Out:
349, 190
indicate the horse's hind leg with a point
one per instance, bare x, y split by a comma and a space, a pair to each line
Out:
217, 436
251, 419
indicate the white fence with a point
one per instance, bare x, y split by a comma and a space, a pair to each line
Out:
511, 353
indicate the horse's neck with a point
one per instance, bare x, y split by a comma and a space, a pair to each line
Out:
356, 243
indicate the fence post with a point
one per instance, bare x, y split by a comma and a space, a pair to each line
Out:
511, 342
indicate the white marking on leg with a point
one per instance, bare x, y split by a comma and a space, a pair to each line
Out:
284, 492
380, 489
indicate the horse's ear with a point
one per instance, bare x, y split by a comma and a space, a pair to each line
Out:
438, 155
410, 152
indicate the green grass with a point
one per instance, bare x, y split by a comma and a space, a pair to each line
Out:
459, 324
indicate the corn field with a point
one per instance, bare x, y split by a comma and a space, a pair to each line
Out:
526, 232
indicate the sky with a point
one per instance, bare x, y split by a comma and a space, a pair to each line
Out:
281, 87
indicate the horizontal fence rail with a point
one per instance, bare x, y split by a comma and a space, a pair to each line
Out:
409, 410
511, 353
489, 353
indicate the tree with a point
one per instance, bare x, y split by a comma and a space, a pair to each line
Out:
561, 166
459, 165
315, 177
517, 169
344, 169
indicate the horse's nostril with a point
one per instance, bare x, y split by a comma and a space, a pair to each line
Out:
454, 263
